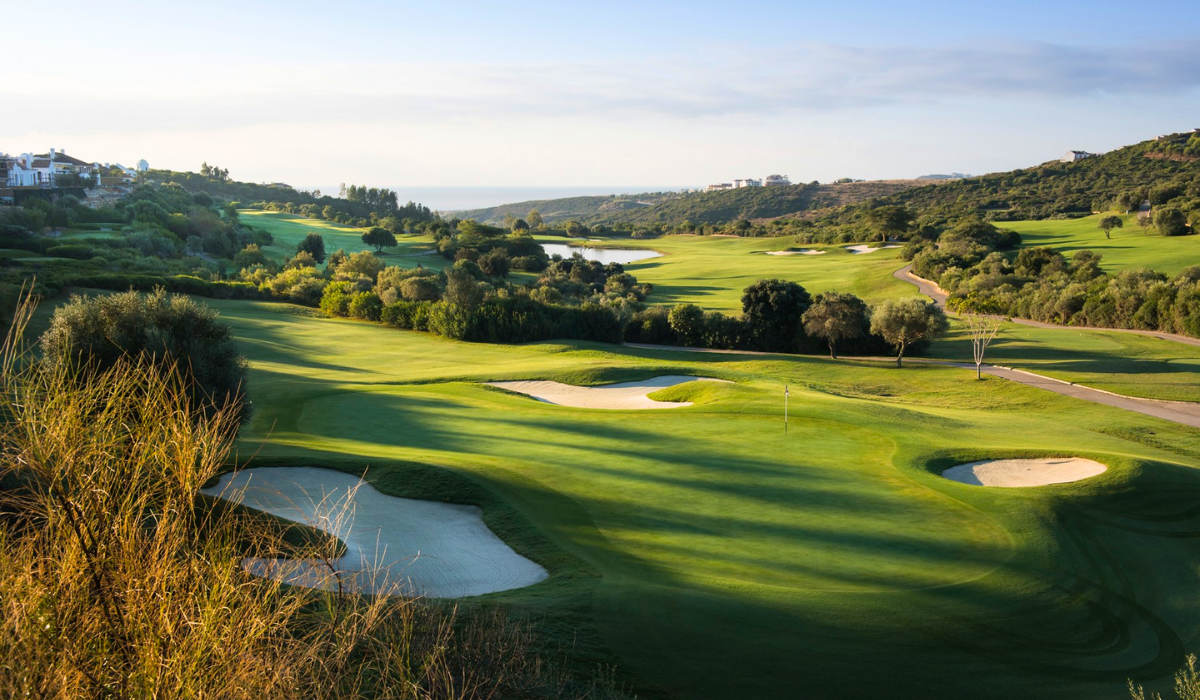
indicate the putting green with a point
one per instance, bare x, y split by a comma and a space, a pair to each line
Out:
710, 555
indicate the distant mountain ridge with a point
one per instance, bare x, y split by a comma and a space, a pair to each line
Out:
698, 207
1058, 189
1052, 189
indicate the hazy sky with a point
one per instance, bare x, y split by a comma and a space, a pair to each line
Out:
561, 93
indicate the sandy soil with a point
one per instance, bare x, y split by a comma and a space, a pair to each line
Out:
393, 545
1024, 472
627, 395
804, 251
860, 249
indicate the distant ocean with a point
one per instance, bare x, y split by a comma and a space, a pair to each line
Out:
457, 198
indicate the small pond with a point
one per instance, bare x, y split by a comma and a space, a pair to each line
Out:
602, 255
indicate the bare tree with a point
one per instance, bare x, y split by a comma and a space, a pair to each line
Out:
984, 318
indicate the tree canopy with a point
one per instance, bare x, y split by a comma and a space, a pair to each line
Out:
903, 322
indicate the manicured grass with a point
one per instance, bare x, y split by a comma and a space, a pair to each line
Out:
86, 235
288, 230
1129, 246
709, 555
1124, 363
712, 271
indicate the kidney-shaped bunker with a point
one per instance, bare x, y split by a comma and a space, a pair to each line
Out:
393, 545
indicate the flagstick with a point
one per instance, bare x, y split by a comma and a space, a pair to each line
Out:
785, 408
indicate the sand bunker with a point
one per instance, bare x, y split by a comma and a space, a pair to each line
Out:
393, 545
614, 396
802, 251
1024, 472
860, 249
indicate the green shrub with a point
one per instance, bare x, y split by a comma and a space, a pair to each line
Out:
101, 331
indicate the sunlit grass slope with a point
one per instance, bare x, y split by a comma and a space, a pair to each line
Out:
288, 230
712, 271
1129, 246
711, 555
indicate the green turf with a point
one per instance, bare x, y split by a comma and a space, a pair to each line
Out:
709, 555
1129, 247
712, 271
288, 230
87, 235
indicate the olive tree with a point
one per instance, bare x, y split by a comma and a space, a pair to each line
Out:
902, 322
379, 238
834, 317
1108, 223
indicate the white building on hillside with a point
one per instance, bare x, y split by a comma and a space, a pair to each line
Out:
777, 180
1072, 156
44, 170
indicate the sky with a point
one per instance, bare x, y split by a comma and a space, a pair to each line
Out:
567, 94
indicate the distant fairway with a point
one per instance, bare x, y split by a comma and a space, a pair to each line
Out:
712, 271
288, 230
1129, 246
711, 556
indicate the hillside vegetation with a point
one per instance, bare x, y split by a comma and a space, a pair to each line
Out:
1156, 170
1146, 170
698, 207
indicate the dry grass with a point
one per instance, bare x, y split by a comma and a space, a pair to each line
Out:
117, 582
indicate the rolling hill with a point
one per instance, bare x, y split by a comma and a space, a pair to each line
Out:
698, 207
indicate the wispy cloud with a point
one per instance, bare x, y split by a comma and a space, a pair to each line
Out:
810, 78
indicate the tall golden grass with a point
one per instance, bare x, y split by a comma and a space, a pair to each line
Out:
118, 581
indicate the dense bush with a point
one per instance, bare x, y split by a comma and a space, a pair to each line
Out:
1042, 285
773, 310
96, 333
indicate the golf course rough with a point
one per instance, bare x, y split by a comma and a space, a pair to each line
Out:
1016, 473
622, 396
396, 546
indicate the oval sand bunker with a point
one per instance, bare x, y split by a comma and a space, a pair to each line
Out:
864, 249
1012, 473
627, 395
802, 251
393, 545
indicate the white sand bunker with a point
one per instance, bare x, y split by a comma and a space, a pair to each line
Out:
614, 396
860, 249
393, 545
1024, 472
802, 251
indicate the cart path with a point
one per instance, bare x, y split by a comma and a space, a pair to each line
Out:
938, 295
1181, 412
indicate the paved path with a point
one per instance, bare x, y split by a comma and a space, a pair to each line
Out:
1180, 412
1174, 411
938, 295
